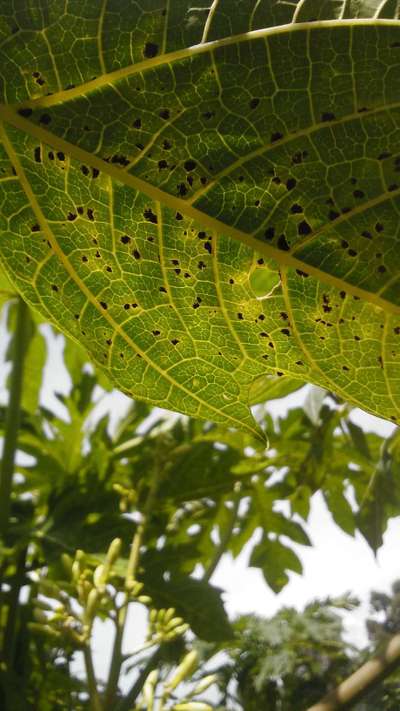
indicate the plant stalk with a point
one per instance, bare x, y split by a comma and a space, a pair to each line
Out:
366, 678
127, 703
13, 415
224, 540
95, 703
133, 563
10, 632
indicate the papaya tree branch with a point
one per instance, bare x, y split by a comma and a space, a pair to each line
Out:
366, 678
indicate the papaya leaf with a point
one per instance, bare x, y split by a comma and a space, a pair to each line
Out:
197, 601
203, 197
274, 559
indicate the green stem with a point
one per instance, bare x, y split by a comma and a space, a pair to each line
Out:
95, 704
13, 415
133, 563
10, 631
224, 540
127, 703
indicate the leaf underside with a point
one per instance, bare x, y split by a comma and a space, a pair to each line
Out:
205, 198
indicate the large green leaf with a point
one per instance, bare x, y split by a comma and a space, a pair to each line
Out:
203, 197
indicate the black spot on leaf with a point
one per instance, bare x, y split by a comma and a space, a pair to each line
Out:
150, 216
328, 116
164, 114
304, 228
150, 50
283, 244
25, 112
189, 165
297, 158
254, 103
277, 136
38, 154
182, 189
269, 233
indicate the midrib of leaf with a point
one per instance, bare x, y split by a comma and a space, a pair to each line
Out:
84, 289
202, 48
286, 259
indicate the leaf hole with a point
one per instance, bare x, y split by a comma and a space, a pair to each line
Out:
150, 50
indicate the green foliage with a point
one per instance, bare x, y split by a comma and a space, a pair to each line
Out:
86, 484
290, 661
203, 197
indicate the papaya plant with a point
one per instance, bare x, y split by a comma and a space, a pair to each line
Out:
205, 196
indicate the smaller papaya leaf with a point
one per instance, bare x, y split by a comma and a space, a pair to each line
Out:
339, 507
198, 602
274, 559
